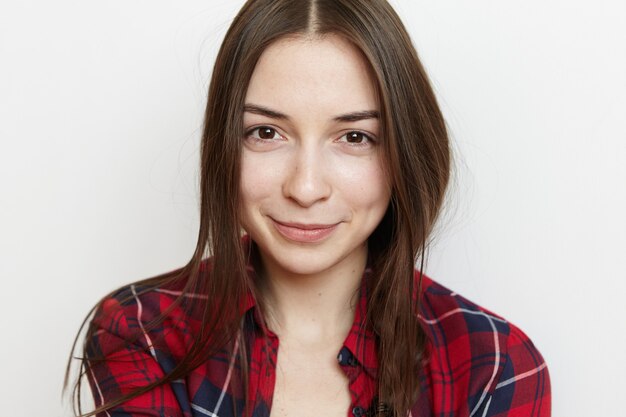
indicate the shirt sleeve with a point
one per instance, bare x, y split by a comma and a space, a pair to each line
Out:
523, 386
128, 362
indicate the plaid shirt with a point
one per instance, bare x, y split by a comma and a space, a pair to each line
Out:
478, 363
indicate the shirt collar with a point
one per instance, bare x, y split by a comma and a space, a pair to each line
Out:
360, 341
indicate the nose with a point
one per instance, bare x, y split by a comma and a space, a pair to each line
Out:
306, 180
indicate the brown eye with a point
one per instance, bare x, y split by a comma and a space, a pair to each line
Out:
355, 137
266, 133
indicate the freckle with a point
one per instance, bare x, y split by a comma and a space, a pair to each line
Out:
319, 294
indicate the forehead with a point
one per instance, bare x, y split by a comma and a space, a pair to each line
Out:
324, 73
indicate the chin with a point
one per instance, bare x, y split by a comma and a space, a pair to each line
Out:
303, 270
304, 265
310, 260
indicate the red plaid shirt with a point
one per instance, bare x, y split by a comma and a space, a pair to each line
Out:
478, 363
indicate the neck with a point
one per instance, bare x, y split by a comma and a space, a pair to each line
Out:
314, 307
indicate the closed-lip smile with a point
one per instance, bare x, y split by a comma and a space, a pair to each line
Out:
304, 232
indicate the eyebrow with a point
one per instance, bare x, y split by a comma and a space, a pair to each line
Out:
264, 111
348, 117
358, 115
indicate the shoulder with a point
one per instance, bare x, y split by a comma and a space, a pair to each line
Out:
137, 336
479, 361
144, 315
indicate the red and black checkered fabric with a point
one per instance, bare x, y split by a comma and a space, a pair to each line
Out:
478, 363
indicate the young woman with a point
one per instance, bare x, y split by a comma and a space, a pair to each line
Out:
324, 165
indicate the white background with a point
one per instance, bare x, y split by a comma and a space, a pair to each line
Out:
100, 111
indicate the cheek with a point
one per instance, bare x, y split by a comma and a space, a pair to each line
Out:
258, 180
247, 180
250, 185
250, 189
365, 184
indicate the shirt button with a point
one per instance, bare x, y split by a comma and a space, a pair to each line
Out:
358, 411
345, 357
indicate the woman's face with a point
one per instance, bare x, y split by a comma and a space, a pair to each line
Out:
312, 185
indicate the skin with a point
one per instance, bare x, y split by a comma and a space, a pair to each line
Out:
312, 191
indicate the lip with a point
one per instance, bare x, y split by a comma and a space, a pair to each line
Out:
304, 233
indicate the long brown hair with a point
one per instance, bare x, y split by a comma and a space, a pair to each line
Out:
417, 159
